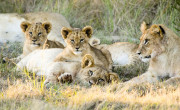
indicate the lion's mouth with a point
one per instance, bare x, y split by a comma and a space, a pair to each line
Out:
77, 52
146, 58
149, 56
36, 44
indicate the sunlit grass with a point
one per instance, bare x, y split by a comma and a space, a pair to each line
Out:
28, 92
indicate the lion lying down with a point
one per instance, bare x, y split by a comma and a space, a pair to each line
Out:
162, 47
11, 31
35, 38
38, 61
122, 53
77, 41
85, 72
78, 46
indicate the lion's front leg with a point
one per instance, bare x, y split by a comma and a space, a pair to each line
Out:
50, 79
60, 59
173, 81
53, 72
148, 77
13, 60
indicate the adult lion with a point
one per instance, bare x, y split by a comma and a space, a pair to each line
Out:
162, 47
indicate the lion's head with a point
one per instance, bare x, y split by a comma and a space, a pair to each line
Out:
36, 33
92, 74
151, 41
77, 39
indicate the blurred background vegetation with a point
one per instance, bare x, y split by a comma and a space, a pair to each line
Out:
108, 17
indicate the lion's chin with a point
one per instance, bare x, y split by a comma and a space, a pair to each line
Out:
145, 58
35, 44
77, 52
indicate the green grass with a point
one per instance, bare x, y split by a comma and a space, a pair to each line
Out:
121, 18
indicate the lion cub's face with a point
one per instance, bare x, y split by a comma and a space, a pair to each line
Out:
36, 33
150, 42
77, 39
91, 74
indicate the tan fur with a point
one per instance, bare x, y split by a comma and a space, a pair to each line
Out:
86, 73
122, 53
162, 47
77, 46
11, 31
57, 20
36, 37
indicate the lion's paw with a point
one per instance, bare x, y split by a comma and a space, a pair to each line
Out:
65, 78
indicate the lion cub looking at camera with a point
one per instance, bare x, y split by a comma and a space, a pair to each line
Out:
36, 37
77, 46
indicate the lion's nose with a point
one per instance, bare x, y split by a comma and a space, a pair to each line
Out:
138, 53
77, 48
91, 82
34, 40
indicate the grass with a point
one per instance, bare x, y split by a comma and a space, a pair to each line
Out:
121, 18
23, 91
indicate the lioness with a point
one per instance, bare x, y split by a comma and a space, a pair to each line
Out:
36, 37
87, 73
77, 46
162, 47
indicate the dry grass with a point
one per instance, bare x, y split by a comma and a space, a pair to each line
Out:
108, 17
24, 91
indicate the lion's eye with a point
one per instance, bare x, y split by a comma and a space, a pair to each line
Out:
100, 80
39, 34
30, 33
81, 40
146, 41
90, 72
72, 41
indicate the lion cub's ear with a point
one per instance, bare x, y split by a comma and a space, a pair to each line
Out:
25, 25
47, 26
113, 77
157, 29
143, 26
65, 31
94, 41
87, 61
88, 30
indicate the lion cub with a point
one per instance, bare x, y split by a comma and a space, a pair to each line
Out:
77, 46
161, 47
86, 73
36, 37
